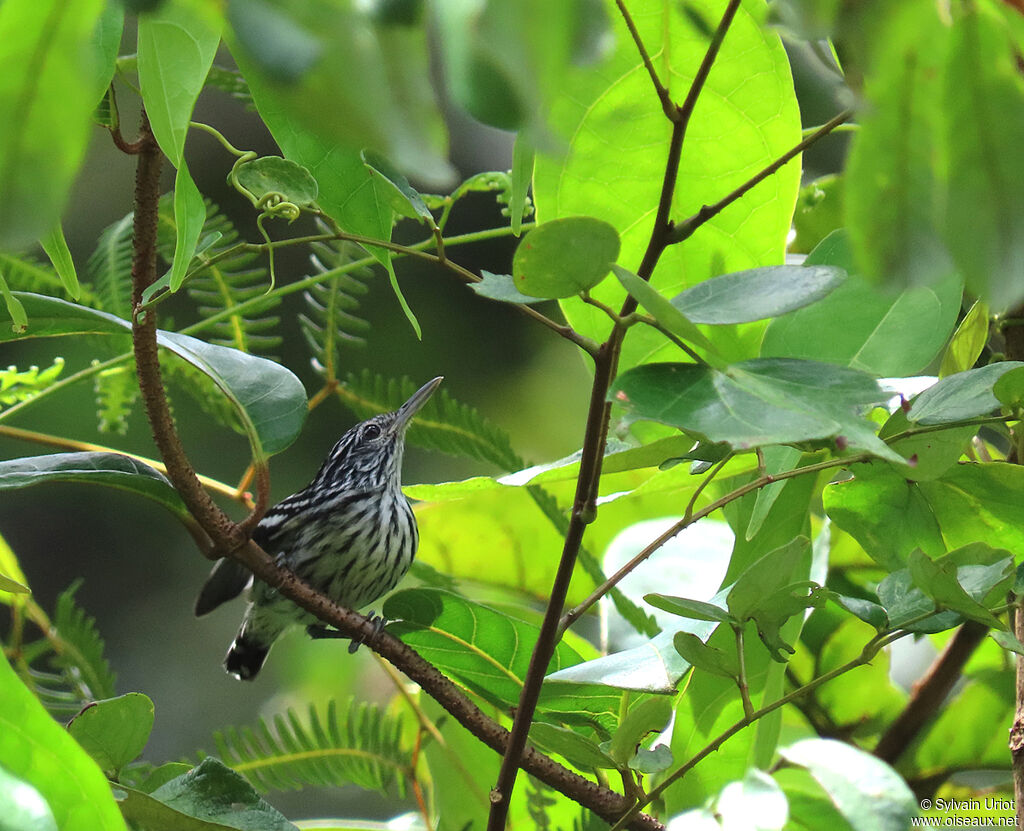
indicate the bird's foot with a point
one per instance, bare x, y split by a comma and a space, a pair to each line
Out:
317, 631
379, 622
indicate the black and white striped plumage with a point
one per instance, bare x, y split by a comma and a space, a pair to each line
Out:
350, 534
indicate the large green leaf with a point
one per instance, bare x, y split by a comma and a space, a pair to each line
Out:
50, 66
961, 396
565, 256
177, 44
22, 806
483, 648
111, 469
269, 400
868, 793
758, 402
886, 334
619, 139
984, 108
37, 749
892, 179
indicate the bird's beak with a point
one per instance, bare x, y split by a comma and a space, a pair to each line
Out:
413, 405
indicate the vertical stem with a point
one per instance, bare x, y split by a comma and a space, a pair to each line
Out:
741, 681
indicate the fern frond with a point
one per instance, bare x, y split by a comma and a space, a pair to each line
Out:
26, 273
110, 268
18, 385
443, 424
79, 649
232, 82
361, 747
116, 391
331, 304
225, 284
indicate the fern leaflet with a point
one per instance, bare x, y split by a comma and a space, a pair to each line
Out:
331, 304
116, 391
26, 273
362, 746
110, 268
17, 386
232, 82
443, 424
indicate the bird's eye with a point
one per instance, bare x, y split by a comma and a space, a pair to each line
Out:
372, 431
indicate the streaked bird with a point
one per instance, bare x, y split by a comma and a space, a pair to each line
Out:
351, 534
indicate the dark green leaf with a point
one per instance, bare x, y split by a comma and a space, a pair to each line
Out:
114, 730
501, 287
870, 613
272, 174
706, 658
758, 293
905, 603
665, 312
578, 750
696, 609
210, 796
50, 61
938, 579
775, 610
269, 400
405, 199
961, 396
886, 334
22, 806
565, 256
651, 715
868, 793
758, 402
37, 749
111, 469
484, 649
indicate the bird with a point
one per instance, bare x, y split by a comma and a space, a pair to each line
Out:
351, 534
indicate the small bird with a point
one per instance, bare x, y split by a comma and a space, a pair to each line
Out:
351, 534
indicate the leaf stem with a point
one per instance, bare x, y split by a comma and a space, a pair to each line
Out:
741, 679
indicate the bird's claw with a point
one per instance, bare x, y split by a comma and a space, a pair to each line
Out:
317, 631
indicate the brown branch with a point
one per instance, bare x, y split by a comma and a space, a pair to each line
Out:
669, 108
231, 539
930, 692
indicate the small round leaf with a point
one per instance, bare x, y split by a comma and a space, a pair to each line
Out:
565, 256
272, 174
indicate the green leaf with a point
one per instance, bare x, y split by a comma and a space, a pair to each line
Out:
961, 396
706, 658
38, 750
1009, 389
905, 604
269, 400
757, 402
10, 567
22, 806
929, 453
8, 584
764, 577
110, 469
19, 320
272, 174
758, 293
80, 655
983, 104
355, 744
666, 313
501, 287
565, 256
892, 179
16, 386
968, 341
1007, 641
651, 715
337, 77
523, 153
115, 730
655, 760
485, 650
49, 63
938, 579
886, 334
774, 612
868, 793
819, 212
210, 797
405, 199
619, 139
776, 460
177, 45
870, 613
56, 248
695, 609
578, 750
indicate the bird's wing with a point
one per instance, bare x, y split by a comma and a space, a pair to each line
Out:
227, 580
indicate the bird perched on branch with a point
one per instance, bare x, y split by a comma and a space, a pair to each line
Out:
351, 534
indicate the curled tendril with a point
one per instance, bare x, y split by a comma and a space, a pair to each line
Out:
274, 204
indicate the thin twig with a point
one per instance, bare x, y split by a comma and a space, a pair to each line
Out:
685, 229
667, 106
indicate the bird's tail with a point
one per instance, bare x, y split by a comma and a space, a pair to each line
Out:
246, 656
